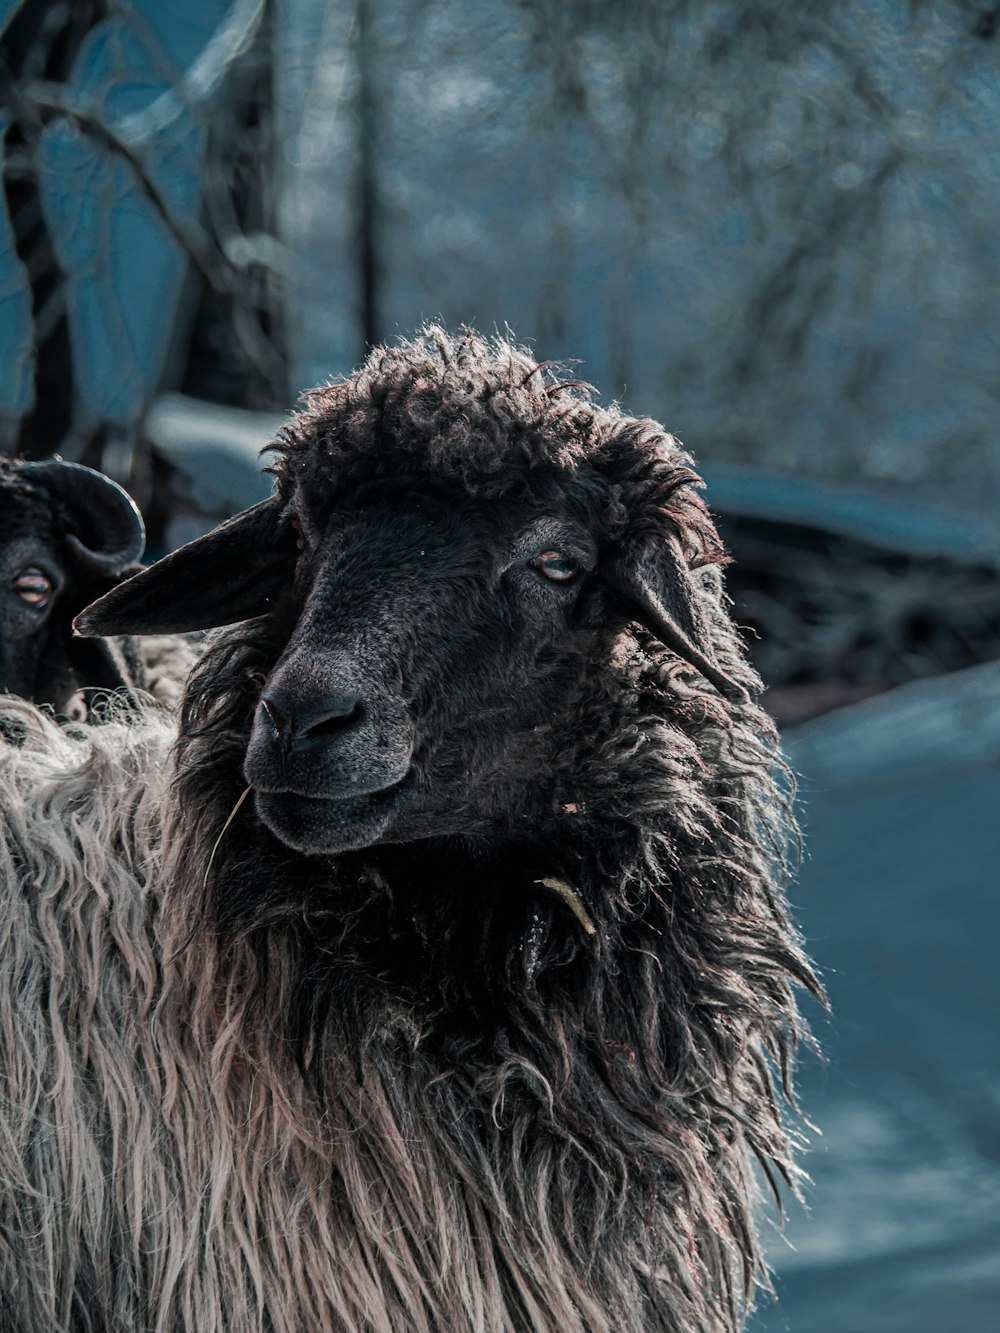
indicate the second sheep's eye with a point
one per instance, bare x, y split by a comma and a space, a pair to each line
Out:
33, 587
556, 566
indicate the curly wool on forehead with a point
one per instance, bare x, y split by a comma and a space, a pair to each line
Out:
475, 413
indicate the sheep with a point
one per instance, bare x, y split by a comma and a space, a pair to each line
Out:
70, 534
440, 976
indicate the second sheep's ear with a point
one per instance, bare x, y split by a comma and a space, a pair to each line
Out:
230, 574
654, 581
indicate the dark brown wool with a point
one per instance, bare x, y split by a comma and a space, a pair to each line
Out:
404, 1086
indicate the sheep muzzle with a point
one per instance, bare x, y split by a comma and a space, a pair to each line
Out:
330, 748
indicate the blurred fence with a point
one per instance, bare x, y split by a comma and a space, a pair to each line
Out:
136, 220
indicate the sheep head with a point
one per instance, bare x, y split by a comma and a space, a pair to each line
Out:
69, 533
455, 547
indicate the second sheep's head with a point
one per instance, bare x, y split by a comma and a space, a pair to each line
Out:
67, 535
456, 543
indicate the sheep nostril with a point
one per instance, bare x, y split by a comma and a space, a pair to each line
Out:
297, 723
336, 714
275, 716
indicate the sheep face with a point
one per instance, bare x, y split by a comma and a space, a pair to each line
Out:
31, 581
432, 648
68, 534
453, 548
427, 656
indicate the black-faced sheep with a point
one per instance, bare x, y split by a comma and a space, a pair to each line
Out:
473, 1015
67, 535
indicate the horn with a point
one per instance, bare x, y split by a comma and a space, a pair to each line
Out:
110, 533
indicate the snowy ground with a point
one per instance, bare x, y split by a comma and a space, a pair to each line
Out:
900, 899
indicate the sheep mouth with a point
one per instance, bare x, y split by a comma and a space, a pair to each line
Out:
325, 825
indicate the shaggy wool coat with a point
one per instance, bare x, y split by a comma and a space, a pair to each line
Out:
518, 1077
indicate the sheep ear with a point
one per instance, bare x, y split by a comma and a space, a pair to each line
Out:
656, 584
230, 574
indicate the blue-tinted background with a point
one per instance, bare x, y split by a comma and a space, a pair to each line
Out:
776, 228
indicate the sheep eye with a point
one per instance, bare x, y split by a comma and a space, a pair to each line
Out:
32, 586
555, 566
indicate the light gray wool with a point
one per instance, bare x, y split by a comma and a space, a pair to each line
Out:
164, 1168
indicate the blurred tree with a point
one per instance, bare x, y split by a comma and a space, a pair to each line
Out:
774, 226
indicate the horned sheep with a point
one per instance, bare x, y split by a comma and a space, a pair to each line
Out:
67, 535
441, 976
